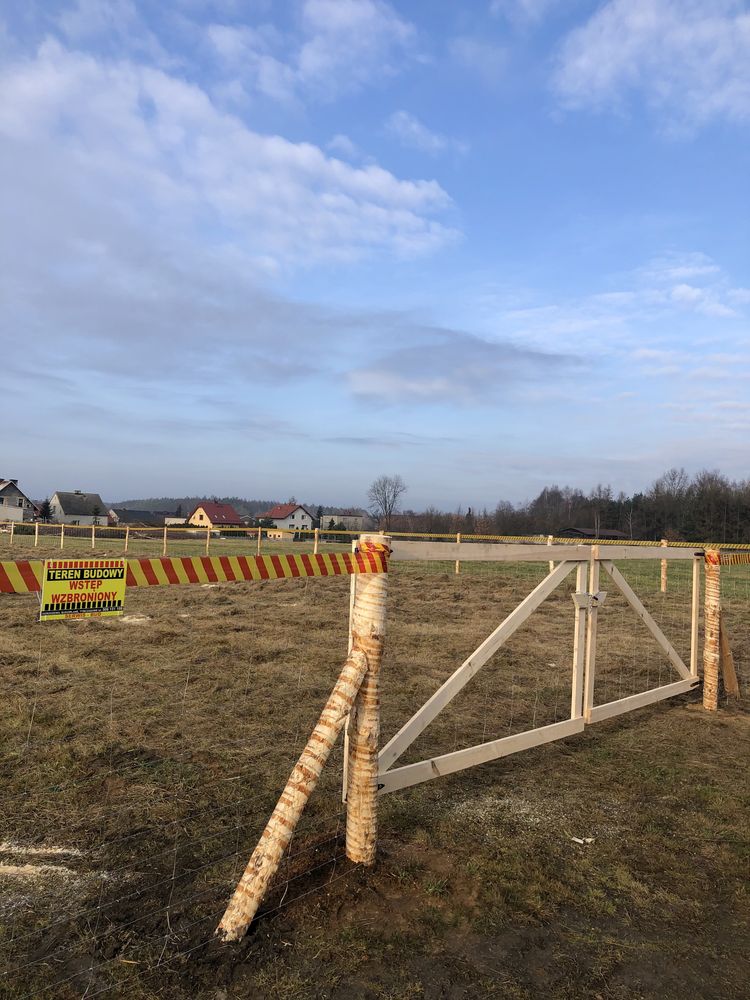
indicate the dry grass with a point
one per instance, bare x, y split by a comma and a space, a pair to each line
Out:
156, 746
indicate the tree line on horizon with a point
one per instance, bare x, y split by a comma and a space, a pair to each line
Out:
706, 507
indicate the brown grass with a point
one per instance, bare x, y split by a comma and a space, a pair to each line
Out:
156, 745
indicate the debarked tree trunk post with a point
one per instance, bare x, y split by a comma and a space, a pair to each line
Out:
712, 631
368, 633
275, 839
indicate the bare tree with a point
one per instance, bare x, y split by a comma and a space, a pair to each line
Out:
383, 497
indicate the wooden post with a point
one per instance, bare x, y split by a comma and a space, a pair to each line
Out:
93, 536
316, 539
127, 536
368, 633
458, 542
62, 536
712, 631
695, 611
260, 532
590, 671
36, 534
208, 538
581, 601
664, 544
164, 545
275, 839
12, 527
551, 562
728, 673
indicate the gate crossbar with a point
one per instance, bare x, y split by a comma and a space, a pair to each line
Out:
431, 708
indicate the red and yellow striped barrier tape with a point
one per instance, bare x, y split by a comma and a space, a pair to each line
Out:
25, 577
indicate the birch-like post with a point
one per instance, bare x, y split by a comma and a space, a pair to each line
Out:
62, 536
208, 538
164, 544
36, 534
260, 532
93, 536
551, 562
664, 544
12, 526
458, 542
275, 839
368, 633
127, 536
316, 539
712, 631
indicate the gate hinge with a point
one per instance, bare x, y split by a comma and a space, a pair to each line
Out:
589, 602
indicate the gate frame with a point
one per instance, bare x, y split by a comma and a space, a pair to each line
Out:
587, 601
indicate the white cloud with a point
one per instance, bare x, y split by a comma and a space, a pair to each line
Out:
410, 131
687, 59
342, 145
341, 46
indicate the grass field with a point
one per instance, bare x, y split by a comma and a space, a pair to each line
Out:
142, 756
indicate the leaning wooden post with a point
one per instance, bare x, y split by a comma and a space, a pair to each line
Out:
368, 633
458, 543
275, 839
712, 631
664, 544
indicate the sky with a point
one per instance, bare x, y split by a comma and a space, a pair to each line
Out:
276, 248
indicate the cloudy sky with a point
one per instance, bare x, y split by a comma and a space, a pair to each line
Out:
276, 247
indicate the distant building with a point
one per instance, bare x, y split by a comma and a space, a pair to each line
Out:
592, 533
78, 508
352, 520
137, 518
14, 504
215, 516
289, 517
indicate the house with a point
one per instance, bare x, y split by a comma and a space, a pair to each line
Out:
592, 533
351, 520
78, 508
289, 517
215, 516
123, 516
14, 504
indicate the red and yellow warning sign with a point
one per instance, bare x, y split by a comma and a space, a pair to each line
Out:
82, 588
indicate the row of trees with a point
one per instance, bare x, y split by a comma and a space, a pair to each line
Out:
706, 507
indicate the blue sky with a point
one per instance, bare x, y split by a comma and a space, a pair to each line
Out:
280, 248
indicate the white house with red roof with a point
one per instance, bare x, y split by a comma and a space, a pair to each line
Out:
289, 517
215, 516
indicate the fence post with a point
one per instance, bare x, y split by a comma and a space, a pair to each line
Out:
127, 536
93, 536
208, 538
275, 839
551, 562
664, 544
581, 602
164, 546
591, 624
12, 526
260, 532
62, 536
712, 631
458, 542
315, 541
36, 534
368, 633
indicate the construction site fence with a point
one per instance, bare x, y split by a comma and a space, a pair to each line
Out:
25, 533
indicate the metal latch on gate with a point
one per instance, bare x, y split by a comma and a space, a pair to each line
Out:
589, 602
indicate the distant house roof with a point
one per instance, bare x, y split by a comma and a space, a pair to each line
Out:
147, 518
86, 504
218, 513
282, 510
590, 533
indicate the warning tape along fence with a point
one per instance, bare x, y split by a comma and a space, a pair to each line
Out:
23, 577
35, 534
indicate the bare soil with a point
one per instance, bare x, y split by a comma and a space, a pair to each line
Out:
140, 758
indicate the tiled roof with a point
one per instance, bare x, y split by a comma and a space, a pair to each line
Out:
282, 510
88, 504
219, 513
